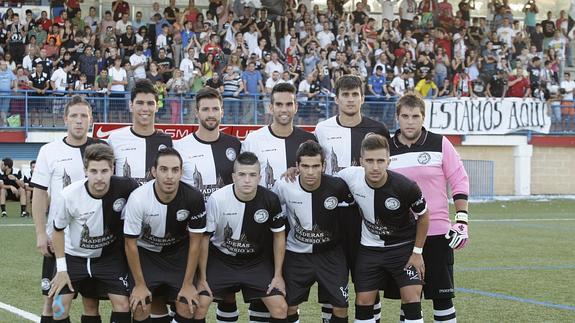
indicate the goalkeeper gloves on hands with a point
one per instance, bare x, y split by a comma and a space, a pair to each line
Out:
458, 233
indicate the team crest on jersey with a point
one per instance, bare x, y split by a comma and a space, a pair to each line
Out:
162, 146
330, 203
423, 158
181, 215
261, 216
392, 203
45, 284
119, 204
231, 154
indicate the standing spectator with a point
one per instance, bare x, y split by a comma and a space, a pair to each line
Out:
505, 33
88, 64
7, 84
119, 78
559, 44
17, 37
91, 20
233, 87
59, 83
567, 105
519, 86
407, 11
531, 10
122, 24
548, 29
215, 82
119, 8
427, 88
445, 14
462, 86
39, 83
170, 12
253, 85
127, 42
139, 62
165, 65
177, 87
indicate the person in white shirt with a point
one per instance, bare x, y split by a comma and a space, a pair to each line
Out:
274, 65
559, 44
28, 61
505, 33
138, 61
567, 106
119, 81
398, 84
122, 24
251, 37
187, 65
325, 37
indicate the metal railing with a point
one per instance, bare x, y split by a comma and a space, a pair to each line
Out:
29, 110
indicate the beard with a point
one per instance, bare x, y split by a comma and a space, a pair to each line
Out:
209, 127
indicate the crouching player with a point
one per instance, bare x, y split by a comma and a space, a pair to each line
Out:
393, 230
247, 244
165, 221
314, 250
92, 249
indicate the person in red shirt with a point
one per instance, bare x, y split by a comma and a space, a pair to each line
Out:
519, 86
443, 41
44, 22
462, 84
119, 8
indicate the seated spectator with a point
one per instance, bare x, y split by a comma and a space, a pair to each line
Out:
427, 88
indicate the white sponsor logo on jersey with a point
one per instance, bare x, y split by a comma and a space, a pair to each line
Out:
231, 154
392, 203
181, 215
119, 204
162, 146
330, 203
261, 216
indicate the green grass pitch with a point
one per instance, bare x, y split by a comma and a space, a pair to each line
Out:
518, 267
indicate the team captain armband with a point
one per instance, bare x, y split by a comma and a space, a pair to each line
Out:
462, 217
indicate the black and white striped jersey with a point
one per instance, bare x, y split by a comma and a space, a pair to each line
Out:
57, 166
313, 216
342, 145
135, 154
162, 227
208, 166
95, 225
244, 229
276, 154
389, 213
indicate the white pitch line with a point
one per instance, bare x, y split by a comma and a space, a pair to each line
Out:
519, 220
27, 315
17, 225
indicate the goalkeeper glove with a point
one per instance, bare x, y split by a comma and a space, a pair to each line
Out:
458, 233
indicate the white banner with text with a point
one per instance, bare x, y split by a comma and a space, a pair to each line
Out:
486, 116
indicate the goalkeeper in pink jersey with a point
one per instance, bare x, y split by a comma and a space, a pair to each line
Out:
431, 160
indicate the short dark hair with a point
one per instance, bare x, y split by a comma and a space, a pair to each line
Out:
77, 100
99, 152
207, 93
348, 82
310, 148
282, 88
167, 151
8, 162
144, 86
32, 162
374, 141
246, 158
410, 101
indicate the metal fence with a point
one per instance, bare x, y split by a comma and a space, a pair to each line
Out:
480, 174
28, 110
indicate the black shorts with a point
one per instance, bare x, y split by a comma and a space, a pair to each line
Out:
10, 196
48, 270
438, 258
350, 220
107, 275
328, 269
375, 266
164, 271
252, 277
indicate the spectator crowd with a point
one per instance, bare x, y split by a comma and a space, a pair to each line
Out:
431, 48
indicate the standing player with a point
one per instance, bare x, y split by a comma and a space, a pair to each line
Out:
135, 147
247, 245
276, 145
208, 154
59, 164
164, 223
431, 161
341, 136
394, 226
314, 250
91, 248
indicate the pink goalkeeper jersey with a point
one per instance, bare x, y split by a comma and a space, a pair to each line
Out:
434, 164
